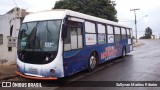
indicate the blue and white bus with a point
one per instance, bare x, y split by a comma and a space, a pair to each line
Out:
58, 43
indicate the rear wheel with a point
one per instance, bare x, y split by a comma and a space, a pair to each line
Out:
93, 62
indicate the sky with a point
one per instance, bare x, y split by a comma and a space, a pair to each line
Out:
147, 16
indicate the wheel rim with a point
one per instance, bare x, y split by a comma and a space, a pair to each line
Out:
92, 62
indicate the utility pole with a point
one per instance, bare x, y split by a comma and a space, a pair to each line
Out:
135, 22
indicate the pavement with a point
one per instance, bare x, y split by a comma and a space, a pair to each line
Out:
7, 69
137, 44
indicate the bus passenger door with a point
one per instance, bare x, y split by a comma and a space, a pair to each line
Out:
72, 47
74, 36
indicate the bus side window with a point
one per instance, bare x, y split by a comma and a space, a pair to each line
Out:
110, 34
129, 36
101, 34
117, 34
74, 36
128, 33
123, 33
90, 33
80, 41
67, 41
131, 33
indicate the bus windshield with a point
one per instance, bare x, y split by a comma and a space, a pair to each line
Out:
39, 36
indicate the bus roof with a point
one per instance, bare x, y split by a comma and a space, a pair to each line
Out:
61, 13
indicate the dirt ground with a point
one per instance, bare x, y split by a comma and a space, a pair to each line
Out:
7, 70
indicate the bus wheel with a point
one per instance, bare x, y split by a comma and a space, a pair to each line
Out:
93, 62
123, 52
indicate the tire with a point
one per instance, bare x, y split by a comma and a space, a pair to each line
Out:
92, 62
123, 52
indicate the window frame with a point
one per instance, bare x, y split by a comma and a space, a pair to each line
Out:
110, 34
122, 34
72, 26
90, 33
128, 33
103, 33
1, 39
115, 34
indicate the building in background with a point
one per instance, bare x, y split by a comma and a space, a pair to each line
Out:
153, 37
9, 28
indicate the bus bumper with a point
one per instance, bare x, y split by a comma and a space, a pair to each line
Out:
37, 78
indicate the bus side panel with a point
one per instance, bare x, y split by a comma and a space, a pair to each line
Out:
77, 60
74, 61
111, 51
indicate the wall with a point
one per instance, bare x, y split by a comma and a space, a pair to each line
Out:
6, 20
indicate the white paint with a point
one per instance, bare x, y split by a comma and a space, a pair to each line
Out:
91, 39
46, 15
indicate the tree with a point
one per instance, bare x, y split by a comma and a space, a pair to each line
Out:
99, 8
147, 34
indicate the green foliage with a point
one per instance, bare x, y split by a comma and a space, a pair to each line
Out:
147, 34
99, 8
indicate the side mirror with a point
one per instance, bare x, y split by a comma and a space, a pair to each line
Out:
64, 31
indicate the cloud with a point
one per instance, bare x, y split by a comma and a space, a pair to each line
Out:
147, 7
40, 5
30, 5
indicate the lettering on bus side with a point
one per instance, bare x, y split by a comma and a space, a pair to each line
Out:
111, 52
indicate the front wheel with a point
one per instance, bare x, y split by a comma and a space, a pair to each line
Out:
93, 62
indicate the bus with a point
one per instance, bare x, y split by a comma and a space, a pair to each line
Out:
58, 43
